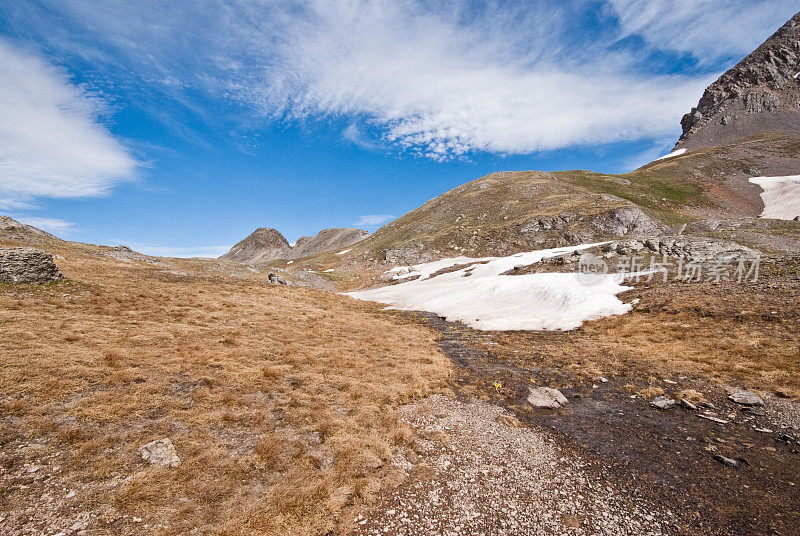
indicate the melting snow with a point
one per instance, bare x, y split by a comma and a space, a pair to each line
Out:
343, 252
328, 270
481, 297
781, 196
670, 155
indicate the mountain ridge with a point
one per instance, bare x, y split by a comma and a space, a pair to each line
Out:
760, 93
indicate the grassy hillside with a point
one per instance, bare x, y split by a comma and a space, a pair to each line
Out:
494, 214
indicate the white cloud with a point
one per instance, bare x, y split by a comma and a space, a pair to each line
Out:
374, 219
52, 142
441, 87
707, 29
53, 225
354, 135
437, 79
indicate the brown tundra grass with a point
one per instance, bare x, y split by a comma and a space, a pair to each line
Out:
280, 401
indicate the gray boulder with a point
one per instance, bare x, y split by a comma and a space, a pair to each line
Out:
28, 265
746, 398
662, 402
546, 397
276, 279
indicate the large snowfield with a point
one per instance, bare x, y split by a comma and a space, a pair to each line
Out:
481, 297
781, 196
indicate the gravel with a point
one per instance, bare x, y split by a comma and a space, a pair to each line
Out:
478, 473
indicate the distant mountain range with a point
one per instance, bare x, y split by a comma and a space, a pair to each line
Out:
266, 244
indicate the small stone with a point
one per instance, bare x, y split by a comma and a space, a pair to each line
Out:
546, 397
713, 419
746, 398
730, 462
161, 452
662, 402
763, 430
688, 405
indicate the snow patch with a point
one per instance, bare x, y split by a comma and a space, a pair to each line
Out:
290, 262
781, 196
343, 252
481, 297
670, 155
328, 270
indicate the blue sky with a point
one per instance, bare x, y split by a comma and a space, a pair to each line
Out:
179, 127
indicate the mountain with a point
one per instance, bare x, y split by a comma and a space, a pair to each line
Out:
327, 240
266, 244
759, 94
263, 244
747, 124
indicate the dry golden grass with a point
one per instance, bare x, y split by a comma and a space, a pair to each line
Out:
281, 401
733, 334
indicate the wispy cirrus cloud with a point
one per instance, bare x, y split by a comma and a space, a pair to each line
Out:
52, 140
373, 219
439, 80
706, 29
355, 136
52, 225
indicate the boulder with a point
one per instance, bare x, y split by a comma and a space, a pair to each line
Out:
746, 398
546, 397
662, 402
276, 279
28, 265
160, 452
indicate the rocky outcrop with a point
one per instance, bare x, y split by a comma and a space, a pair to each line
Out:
327, 240
759, 94
626, 221
263, 244
28, 265
12, 230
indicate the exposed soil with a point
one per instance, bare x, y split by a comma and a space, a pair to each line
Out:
666, 456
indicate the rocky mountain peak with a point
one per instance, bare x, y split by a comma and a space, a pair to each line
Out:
265, 244
759, 94
261, 245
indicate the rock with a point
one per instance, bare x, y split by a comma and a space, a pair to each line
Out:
28, 265
161, 452
123, 249
746, 398
688, 405
730, 462
276, 279
546, 397
629, 220
757, 94
662, 402
712, 418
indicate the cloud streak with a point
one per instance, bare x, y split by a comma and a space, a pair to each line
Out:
439, 80
53, 225
52, 142
706, 29
374, 219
